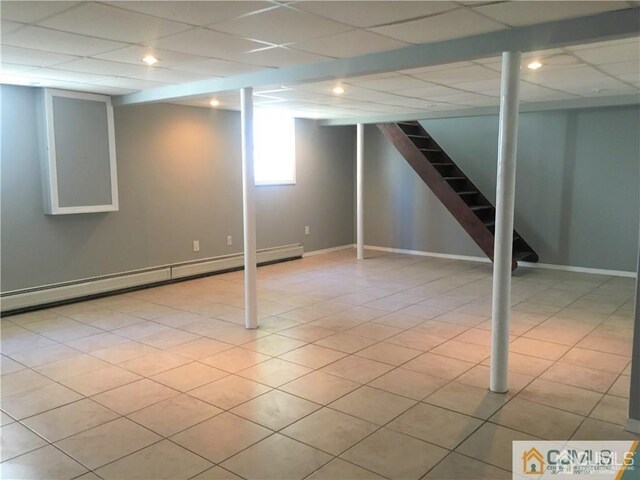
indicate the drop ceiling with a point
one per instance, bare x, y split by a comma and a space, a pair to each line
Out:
98, 46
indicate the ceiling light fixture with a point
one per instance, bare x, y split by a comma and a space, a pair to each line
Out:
338, 90
534, 65
150, 60
214, 102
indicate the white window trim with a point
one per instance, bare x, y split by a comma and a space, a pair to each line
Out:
50, 170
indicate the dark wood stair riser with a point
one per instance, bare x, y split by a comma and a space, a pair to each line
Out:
452, 187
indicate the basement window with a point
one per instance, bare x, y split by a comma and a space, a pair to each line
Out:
274, 147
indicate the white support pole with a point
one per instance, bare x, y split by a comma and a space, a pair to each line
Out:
249, 211
505, 200
359, 194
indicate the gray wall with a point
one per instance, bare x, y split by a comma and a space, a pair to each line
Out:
577, 194
179, 176
83, 162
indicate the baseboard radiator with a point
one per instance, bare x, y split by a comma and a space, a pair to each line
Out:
39, 297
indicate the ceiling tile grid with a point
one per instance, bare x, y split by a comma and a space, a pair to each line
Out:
98, 47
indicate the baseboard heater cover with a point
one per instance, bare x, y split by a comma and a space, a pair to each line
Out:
19, 300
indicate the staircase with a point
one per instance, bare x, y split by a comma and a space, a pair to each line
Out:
453, 188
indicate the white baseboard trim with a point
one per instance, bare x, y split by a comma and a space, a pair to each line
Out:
51, 294
328, 250
33, 297
421, 253
569, 268
547, 266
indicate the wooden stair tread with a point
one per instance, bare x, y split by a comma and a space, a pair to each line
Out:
481, 207
473, 213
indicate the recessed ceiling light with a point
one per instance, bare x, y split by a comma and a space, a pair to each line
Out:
150, 60
534, 65
338, 90
214, 102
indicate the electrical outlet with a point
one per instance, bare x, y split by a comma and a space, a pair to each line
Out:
196, 245
306, 230
229, 240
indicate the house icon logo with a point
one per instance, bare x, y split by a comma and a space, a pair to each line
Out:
532, 462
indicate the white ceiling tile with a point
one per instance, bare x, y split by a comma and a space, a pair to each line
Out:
632, 78
37, 58
28, 12
480, 85
611, 54
207, 43
545, 76
531, 93
349, 44
10, 78
13, 68
357, 93
113, 23
279, 57
454, 24
458, 97
281, 25
303, 95
532, 12
608, 43
401, 101
374, 107
219, 68
609, 91
59, 42
168, 76
268, 102
475, 100
623, 68
130, 83
103, 67
391, 83
55, 74
579, 86
370, 14
43, 82
324, 87
195, 13
134, 54
429, 92
7, 27
459, 75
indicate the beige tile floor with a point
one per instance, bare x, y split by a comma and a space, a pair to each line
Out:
374, 369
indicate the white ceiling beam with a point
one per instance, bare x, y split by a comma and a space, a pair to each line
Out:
601, 27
